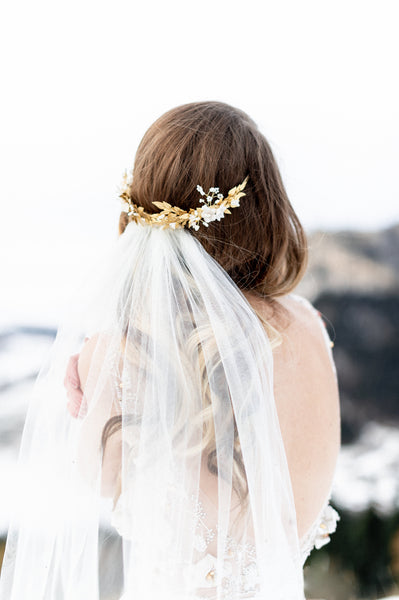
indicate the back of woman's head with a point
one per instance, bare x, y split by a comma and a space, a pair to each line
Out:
261, 244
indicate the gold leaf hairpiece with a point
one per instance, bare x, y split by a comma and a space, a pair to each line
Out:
213, 207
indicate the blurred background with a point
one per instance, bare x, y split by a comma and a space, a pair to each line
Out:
82, 81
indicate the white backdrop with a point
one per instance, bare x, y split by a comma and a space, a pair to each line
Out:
82, 80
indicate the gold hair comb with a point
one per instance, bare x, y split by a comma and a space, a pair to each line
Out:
213, 207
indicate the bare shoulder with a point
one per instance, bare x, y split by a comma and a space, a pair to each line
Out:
300, 321
303, 334
307, 401
305, 344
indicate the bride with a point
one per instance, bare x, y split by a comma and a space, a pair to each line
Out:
189, 409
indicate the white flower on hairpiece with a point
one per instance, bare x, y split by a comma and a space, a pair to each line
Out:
220, 212
194, 220
208, 214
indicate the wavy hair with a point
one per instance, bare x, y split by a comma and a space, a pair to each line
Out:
262, 246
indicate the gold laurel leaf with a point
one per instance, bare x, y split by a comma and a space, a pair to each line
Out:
238, 188
162, 205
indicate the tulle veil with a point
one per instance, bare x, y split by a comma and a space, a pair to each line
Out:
174, 483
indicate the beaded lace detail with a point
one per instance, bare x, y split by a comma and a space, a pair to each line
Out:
239, 571
247, 577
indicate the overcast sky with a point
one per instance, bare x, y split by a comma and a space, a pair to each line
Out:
82, 80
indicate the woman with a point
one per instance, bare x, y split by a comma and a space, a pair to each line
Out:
209, 413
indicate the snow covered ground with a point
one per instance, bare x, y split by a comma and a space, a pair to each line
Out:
368, 471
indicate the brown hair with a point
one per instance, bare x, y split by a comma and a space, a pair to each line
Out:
262, 244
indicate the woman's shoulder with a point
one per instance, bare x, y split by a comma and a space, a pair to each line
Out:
298, 314
304, 331
297, 321
305, 348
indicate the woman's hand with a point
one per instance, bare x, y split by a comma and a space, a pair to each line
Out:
77, 405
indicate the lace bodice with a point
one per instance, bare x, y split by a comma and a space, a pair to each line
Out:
245, 553
240, 569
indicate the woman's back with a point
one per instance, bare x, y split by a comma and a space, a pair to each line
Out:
306, 396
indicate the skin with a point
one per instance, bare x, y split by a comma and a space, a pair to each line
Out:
76, 404
307, 403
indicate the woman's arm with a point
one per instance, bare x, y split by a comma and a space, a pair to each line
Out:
91, 397
76, 407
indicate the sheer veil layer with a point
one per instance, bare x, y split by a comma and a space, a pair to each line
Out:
180, 418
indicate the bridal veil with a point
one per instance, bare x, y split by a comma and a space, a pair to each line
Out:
173, 484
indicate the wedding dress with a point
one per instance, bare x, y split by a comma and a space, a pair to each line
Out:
181, 429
